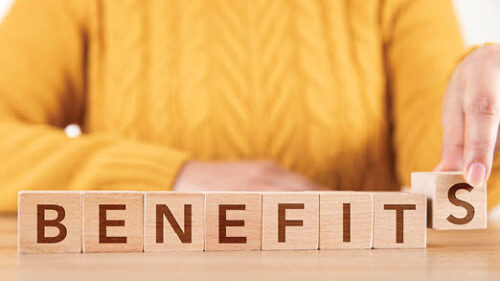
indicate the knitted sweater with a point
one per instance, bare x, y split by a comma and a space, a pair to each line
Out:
347, 93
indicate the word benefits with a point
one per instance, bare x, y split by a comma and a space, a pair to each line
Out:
129, 221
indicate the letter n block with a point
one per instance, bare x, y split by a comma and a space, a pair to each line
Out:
232, 221
49, 222
113, 221
173, 221
346, 220
290, 220
399, 220
453, 204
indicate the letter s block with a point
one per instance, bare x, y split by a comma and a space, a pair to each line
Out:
113, 221
49, 222
453, 204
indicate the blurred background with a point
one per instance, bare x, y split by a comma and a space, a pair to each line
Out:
480, 19
4, 7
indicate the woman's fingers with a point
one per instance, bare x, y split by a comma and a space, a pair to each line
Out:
481, 129
471, 116
243, 175
481, 105
292, 181
453, 130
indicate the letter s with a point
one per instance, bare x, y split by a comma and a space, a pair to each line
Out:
452, 196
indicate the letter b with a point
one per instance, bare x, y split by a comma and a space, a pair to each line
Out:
42, 223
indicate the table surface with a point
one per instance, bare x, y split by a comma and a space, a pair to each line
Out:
450, 255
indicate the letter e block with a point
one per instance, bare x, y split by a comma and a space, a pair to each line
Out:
49, 222
173, 221
113, 221
232, 221
346, 220
399, 220
290, 220
453, 204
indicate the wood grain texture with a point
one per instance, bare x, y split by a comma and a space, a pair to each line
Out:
346, 220
113, 221
233, 221
290, 220
399, 220
49, 222
457, 255
182, 217
452, 203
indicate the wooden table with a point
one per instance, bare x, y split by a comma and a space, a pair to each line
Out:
451, 255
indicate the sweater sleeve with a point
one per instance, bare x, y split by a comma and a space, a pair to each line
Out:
42, 89
422, 45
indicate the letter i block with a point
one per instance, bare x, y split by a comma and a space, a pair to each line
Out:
453, 204
49, 222
399, 220
346, 220
113, 221
232, 221
173, 221
290, 220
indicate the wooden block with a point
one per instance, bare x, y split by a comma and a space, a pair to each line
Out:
49, 222
290, 220
453, 204
399, 220
345, 220
232, 221
113, 221
173, 221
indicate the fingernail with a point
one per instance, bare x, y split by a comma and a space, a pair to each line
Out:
476, 174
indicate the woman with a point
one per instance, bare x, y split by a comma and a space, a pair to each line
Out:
235, 95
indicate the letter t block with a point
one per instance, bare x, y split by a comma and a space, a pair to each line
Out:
399, 220
453, 204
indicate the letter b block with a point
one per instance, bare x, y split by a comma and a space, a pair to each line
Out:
232, 221
453, 204
49, 222
113, 221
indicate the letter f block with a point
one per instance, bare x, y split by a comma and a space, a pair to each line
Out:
49, 222
290, 220
452, 203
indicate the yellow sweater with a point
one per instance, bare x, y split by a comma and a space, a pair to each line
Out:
347, 93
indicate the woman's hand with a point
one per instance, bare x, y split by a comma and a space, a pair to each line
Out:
471, 116
238, 176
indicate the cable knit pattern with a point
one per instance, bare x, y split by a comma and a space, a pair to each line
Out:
322, 87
